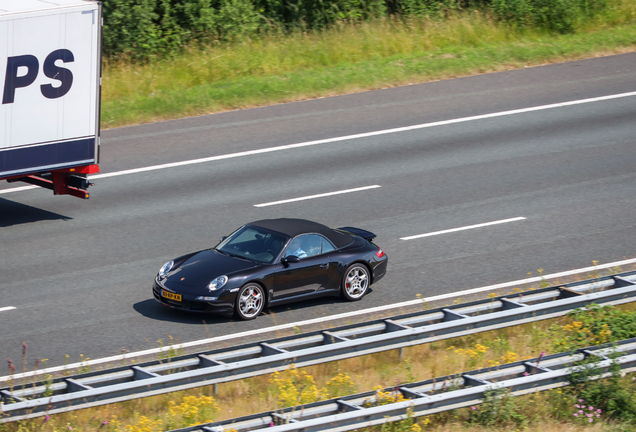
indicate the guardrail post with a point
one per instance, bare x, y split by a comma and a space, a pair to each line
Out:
344, 406
588, 353
329, 338
392, 326
533, 368
471, 381
208, 361
411, 394
267, 349
450, 315
139, 373
73, 386
281, 419
567, 293
620, 282
7, 397
509, 304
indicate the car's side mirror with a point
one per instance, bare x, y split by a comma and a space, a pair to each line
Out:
291, 259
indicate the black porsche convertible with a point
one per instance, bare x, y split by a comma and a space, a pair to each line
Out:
270, 262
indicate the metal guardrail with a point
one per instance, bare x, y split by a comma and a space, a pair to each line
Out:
431, 396
249, 360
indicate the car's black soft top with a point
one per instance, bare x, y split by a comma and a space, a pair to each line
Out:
294, 227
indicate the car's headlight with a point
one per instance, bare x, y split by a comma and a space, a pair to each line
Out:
217, 283
166, 268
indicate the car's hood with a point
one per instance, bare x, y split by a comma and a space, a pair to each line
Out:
201, 268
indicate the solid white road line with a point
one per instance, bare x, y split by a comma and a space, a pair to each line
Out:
491, 288
7, 308
462, 228
317, 196
18, 189
344, 138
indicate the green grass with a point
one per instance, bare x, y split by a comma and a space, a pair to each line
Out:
345, 59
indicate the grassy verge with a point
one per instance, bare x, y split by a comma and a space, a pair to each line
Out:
345, 59
549, 411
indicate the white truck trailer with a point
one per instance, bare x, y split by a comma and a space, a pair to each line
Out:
50, 88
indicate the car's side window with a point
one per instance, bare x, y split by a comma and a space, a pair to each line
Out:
314, 244
305, 246
327, 246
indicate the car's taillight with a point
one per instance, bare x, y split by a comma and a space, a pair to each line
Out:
379, 253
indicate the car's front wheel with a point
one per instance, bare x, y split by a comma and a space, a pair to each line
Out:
355, 282
250, 301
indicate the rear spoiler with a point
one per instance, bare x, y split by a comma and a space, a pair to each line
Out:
367, 235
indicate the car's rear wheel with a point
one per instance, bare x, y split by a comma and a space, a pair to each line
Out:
250, 301
355, 282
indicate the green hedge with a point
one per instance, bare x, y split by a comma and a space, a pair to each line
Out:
145, 29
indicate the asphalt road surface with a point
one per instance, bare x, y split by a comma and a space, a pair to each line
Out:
79, 273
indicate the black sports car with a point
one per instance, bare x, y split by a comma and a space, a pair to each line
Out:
271, 262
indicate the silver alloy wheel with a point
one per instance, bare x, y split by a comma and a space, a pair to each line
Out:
356, 282
250, 301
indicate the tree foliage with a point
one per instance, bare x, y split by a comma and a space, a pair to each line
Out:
145, 29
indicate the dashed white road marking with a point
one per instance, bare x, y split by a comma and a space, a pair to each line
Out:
344, 138
6, 308
462, 228
317, 196
213, 340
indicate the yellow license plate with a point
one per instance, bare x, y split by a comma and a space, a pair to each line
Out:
171, 296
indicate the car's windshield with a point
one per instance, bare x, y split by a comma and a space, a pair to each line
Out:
253, 243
